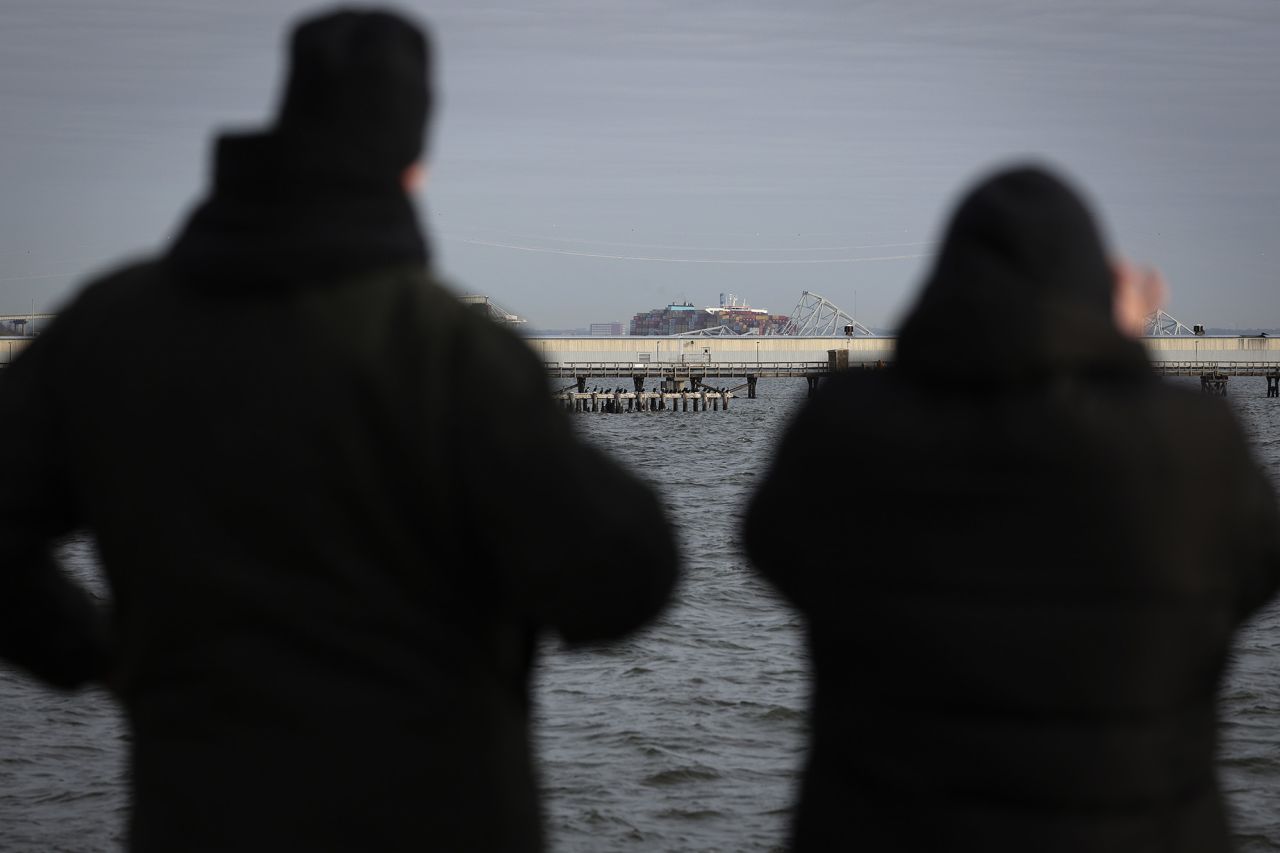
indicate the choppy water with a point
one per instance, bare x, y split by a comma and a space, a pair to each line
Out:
689, 736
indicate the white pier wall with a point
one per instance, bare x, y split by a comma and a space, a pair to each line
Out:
655, 350
778, 349
782, 349
1213, 349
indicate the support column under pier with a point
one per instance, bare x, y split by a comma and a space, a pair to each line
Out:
751, 386
1214, 383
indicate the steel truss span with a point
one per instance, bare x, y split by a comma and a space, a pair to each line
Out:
816, 316
1161, 324
721, 331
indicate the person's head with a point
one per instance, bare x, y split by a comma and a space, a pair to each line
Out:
1022, 237
358, 95
1024, 276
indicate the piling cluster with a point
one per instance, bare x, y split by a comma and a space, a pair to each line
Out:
619, 402
1214, 383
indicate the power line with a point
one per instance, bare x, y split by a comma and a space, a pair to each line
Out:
658, 259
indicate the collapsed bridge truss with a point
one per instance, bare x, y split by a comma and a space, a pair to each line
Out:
815, 315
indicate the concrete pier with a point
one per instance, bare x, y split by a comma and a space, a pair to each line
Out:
781, 355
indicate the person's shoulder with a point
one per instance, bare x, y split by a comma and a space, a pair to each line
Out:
1186, 406
122, 285
474, 323
104, 299
857, 386
474, 341
861, 380
1202, 430
78, 324
843, 399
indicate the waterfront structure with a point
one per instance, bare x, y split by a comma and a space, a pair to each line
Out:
750, 357
604, 330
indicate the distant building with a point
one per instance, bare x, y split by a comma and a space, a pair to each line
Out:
733, 313
604, 330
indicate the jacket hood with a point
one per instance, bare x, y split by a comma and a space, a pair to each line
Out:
1021, 289
282, 215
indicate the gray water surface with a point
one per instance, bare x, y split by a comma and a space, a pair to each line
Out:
688, 737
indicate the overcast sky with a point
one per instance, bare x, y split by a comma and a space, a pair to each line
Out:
595, 159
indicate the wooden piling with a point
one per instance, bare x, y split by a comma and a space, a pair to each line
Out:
612, 402
1214, 383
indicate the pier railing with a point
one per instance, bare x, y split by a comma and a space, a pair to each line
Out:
800, 369
690, 369
1222, 368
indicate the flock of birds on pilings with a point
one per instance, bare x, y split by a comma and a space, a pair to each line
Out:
619, 399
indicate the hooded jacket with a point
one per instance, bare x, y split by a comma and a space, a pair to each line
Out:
333, 505
1019, 643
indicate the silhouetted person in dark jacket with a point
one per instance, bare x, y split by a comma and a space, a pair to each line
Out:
330, 560
1053, 549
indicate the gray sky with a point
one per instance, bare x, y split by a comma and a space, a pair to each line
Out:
595, 159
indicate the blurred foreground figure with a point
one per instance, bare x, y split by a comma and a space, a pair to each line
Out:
1026, 559
331, 500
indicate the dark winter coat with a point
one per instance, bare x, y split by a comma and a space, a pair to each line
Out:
1022, 558
335, 507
